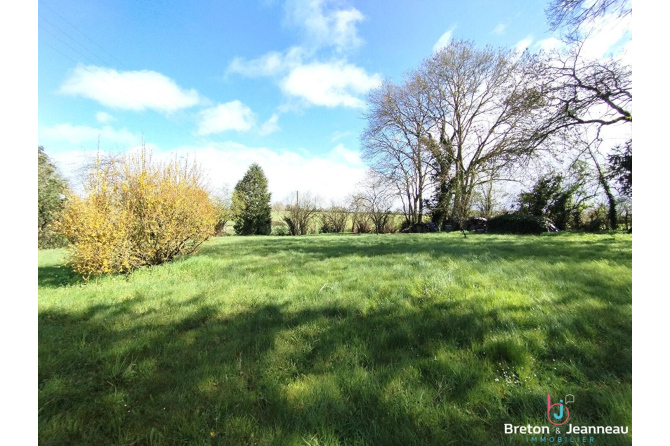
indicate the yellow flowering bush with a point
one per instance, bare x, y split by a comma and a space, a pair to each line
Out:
137, 212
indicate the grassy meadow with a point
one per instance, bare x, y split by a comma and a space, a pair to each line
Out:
396, 339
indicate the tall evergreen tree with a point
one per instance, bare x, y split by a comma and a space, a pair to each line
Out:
621, 167
50, 189
251, 203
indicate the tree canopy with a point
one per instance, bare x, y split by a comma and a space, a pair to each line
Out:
621, 167
464, 117
51, 188
251, 203
574, 14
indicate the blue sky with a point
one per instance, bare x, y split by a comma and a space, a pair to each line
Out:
231, 83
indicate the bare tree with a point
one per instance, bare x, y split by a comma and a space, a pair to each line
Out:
300, 212
377, 198
592, 148
278, 206
334, 219
482, 106
581, 92
485, 199
574, 15
581, 98
625, 210
108, 161
223, 199
464, 117
394, 142
588, 149
360, 218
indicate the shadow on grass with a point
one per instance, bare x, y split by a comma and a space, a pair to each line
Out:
328, 375
549, 248
57, 276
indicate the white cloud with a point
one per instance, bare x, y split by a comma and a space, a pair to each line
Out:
350, 156
551, 43
344, 32
523, 45
233, 115
499, 29
332, 175
325, 25
270, 64
298, 71
129, 90
627, 53
605, 35
609, 35
269, 126
329, 84
104, 118
339, 135
444, 40
78, 134
74, 164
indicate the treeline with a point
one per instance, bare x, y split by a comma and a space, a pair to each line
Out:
442, 144
136, 211
370, 209
469, 120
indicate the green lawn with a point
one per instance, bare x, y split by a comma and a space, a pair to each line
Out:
344, 339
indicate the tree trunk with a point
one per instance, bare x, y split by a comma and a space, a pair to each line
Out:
626, 220
612, 206
612, 217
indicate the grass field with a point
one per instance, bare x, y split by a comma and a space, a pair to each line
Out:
383, 340
395, 220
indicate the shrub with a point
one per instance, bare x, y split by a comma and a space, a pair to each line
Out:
375, 200
393, 224
598, 220
517, 223
334, 220
299, 215
362, 225
137, 213
558, 198
326, 227
280, 230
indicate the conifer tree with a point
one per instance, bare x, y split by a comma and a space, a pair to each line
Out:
251, 203
51, 188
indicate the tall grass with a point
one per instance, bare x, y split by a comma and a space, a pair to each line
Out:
344, 339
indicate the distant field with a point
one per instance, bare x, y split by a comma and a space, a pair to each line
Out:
277, 220
395, 339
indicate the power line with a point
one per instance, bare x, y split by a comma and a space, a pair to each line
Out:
168, 116
64, 33
169, 113
179, 119
80, 32
184, 116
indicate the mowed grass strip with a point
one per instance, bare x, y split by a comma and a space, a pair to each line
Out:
344, 339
